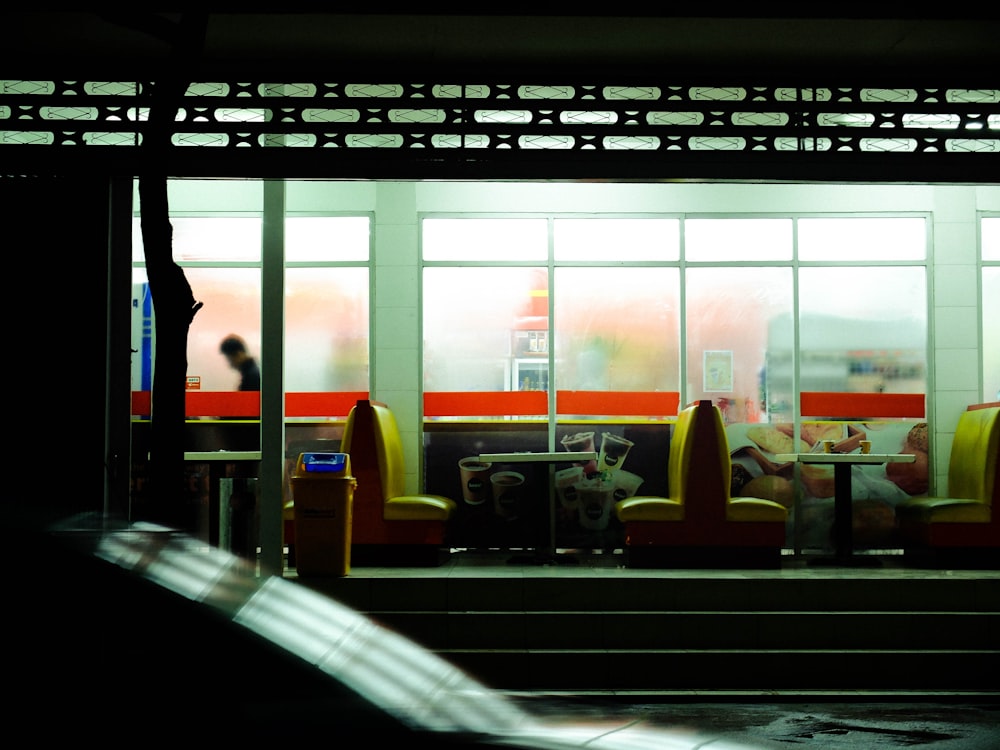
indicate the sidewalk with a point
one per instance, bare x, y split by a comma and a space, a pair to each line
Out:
859, 725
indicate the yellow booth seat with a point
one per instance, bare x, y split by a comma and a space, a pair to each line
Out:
699, 522
389, 524
966, 518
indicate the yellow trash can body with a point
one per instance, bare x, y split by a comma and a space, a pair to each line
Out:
323, 497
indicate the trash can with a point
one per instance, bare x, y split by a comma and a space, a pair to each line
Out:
323, 495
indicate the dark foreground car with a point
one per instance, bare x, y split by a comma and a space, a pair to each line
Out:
136, 635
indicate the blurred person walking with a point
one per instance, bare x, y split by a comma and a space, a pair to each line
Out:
234, 349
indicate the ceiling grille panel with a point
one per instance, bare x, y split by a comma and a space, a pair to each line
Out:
649, 130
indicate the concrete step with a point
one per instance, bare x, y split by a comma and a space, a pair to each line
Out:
422, 591
611, 630
564, 630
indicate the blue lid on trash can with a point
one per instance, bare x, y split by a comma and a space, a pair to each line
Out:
324, 462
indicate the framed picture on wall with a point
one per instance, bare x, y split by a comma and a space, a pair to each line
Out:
718, 371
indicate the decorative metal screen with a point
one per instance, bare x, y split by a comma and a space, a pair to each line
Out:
654, 130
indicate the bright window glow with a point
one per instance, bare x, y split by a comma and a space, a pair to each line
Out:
326, 329
863, 329
869, 238
232, 305
617, 239
708, 240
729, 314
485, 239
326, 238
471, 316
208, 238
617, 329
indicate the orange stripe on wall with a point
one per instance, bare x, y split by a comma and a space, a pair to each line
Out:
141, 403
501, 403
247, 403
861, 405
436, 404
618, 403
485, 403
222, 403
322, 404
205, 403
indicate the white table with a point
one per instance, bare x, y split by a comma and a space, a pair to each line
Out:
843, 523
545, 553
226, 456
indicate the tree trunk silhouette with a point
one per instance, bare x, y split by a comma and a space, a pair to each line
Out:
170, 501
174, 308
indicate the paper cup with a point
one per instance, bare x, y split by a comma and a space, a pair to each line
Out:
475, 480
597, 498
614, 449
566, 481
626, 484
581, 441
507, 487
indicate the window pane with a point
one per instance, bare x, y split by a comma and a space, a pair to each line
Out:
472, 318
485, 239
863, 329
729, 314
326, 238
991, 332
873, 238
617, 239
208, 238
326, 329
737, 239
616, 329
231, 299
990, 238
